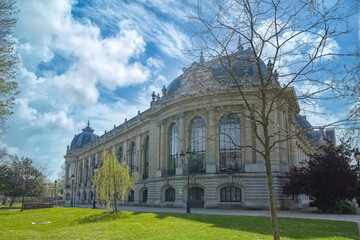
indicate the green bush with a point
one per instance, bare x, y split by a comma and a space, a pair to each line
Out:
343, 207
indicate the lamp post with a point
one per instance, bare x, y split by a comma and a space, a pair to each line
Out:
55, 191
96, 168
357, 157
189, 156
72, 188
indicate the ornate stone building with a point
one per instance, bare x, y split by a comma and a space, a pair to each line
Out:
200, 111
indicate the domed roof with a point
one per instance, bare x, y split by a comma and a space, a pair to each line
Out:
175, 84
83, 138
242, 64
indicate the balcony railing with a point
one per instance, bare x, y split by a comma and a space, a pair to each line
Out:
195, 166
168, 172
145, 176
230, 168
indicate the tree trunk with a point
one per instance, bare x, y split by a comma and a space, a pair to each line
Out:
4, 200
22, 203
11, 201
115, 202
274, 221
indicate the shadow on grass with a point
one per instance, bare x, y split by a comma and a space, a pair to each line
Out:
104, 217
4, 213
289, 227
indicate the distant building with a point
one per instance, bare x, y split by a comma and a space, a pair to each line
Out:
316, 134
199, 111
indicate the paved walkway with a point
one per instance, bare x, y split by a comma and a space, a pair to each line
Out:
266, 213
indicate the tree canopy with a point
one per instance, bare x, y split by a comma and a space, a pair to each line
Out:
112, 181
21, 177
327, 176
8, 59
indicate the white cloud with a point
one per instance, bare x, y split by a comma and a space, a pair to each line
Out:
54, 120
97, 60
162, 33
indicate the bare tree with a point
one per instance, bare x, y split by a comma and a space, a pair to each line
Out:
297, 40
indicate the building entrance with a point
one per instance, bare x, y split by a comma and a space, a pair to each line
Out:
196, 197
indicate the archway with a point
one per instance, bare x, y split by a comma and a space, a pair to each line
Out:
196, 197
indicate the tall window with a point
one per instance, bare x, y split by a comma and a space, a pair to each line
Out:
146, 159
173, 149
170, 194
198, 144
144, 196
86, 173
68, 180
131, 196
132, 158
230, 151
81, 174
120, 155
84, 195
93, 165
230, 194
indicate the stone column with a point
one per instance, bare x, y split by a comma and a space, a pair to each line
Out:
161, 149
212, 144
181, 143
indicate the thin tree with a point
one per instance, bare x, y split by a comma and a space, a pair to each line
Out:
297, 39
113, 181
8, 59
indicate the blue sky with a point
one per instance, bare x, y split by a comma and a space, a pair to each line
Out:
99, 60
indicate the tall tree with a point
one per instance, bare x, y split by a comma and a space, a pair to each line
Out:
8, 59
21, 178
297, 39
112, 181
327, 176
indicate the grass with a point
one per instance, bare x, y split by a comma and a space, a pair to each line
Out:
74, 223
14, 206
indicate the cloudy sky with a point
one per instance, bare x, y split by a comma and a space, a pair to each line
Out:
97, 60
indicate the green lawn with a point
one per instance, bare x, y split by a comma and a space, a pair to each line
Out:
74, 223
14, 206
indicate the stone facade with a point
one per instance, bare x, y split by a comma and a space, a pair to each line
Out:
193, 108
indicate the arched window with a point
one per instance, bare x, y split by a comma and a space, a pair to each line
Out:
120, 155
230, 194
144, 196
230, 151
146, 159
131, 196
132, 158
173, 149
198, 144
67, 196
91, 195
170, 194
84, 195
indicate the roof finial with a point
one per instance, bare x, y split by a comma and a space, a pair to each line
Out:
240, 47
88, 122
201, 56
